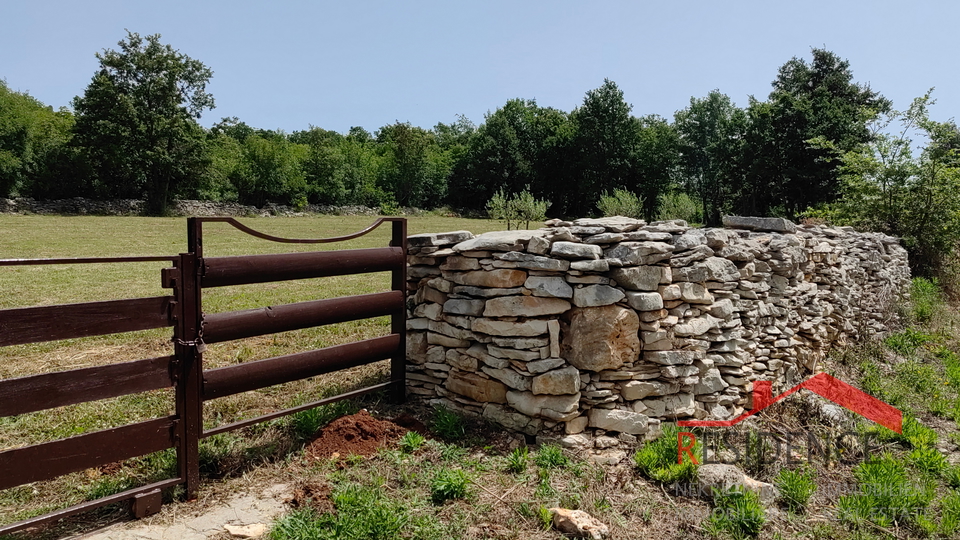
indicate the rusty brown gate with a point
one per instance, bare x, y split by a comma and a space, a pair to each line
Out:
183, 371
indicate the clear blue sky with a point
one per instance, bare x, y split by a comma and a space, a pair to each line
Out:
291, 64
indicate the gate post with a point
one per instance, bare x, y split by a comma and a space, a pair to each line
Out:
398, 322
189, 362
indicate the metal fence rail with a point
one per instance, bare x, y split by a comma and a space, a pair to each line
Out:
183, 370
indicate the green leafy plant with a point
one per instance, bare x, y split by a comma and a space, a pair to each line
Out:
925, 299
738, 512
887, 496
908, 341
517, 460
448, 484
362, 512
928, 459
658, 459
796, 487
550, 456
411, 441
621, 203
545, 516
517, 207
950, 514
448, 424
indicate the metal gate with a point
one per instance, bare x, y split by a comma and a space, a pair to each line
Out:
190, 274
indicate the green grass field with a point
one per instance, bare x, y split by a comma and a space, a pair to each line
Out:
88, 236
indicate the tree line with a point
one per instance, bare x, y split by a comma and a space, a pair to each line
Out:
813, 147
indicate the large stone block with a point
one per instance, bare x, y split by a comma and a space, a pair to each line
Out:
618, 420
556, 408
557, 382
475, 387
645, 301
508, 328
460, 306
498, 241
635, 253
572, 250
438, 239
760, 224
601, 338
640, 278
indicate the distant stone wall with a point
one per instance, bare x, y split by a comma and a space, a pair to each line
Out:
132, 207
606, 327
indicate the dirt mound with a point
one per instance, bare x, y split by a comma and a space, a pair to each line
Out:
356, 434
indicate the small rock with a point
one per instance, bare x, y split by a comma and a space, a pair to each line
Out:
255, 530
579, 524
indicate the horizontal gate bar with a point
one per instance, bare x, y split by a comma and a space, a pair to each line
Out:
87, 506
249, 422
65, 321
52, 459
221, 271
231, 380
219, 327
48, 390
86, 260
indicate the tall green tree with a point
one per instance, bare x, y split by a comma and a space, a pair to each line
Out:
810, 101
410, 169
654, 161
136, 121
711, 132
603, 145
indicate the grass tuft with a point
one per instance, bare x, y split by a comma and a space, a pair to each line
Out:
796, 488
658, 459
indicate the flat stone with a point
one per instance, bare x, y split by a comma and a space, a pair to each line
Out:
475, 387
695, 293
484, 292
557, 382
617, 224
500, 278
637, 253
601, 338
524, 306
521, 342
759, 224
541, 366
618, 420
556, 408
572, 250
634, 390
509, 377
604, 238
511, 419
506, 328
639, 278
697, 326
554, 286
538, 245
722, 309
534, 262
645, 301
513, 354
671, 358
710, 269
596, 295
446, 341
600, 265
438, 239
460, 263
463, 307
498, 241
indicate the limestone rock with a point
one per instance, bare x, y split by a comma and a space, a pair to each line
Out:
579, 524
534, 262
524, 306
725, 477
572, 250
506, 328
617, 224
618, 420
438, 239
634, 390
556, 408
498, 241
509, 377
557, 382
596, 295
459, 306
640, 278
476, 387
645, 301
549, 286
759, 224
511, 419
636, 253
500, 278
601, 338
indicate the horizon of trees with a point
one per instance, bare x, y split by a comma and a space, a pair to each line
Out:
134, 134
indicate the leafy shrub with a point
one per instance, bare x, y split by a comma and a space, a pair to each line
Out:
448, 484
738, 512
411, 441
447, 423
545, 516
679, 205
621, 203
517, 460
928, 459
658, 459
517, 207
886, 494
796, 488
551, 457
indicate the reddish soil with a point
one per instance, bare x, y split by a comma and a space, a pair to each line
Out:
356, 434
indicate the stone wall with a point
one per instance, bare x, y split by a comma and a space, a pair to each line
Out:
607, 327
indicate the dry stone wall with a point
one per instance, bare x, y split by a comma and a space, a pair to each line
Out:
608, 327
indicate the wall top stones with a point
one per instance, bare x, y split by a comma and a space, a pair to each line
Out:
611, 326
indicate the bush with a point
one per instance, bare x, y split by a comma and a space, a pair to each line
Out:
658, 459
796, 488
679, 205
448, 484
517, 207
738, 512
621, 203
410, 442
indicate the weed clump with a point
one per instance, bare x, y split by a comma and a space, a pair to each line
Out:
448, 484
658, 459
738, 512
448, 424
796, 488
